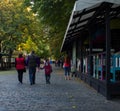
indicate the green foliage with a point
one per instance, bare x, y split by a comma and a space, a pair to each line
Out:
54, 15
11, 20
43, 27
20, 29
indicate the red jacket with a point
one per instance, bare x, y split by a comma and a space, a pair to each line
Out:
20, 63
66, 64
48, 69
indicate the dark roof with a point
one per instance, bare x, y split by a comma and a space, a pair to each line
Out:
86, 12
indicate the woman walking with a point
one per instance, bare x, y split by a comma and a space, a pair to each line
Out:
20, 67
66, 67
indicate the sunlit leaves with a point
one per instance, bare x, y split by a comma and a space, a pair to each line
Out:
54, 15
11, 20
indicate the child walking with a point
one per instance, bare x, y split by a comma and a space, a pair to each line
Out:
48, 69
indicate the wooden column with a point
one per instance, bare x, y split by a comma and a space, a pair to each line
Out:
74, 53
81, 57
108, 53
90, 52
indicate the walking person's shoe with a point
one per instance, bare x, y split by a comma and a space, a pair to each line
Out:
20, 83
48, 82
33, 82
65, 78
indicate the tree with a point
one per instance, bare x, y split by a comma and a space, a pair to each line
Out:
17, 25
12, 17
54, 15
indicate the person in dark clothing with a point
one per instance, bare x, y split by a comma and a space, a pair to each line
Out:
20, 66
33, 62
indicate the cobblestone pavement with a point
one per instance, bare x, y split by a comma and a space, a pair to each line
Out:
60, 95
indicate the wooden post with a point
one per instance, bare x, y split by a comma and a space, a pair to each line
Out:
90, 52
108, 53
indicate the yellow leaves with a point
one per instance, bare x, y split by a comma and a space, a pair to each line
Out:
28, 9
74, 107
17, 15
71, 97
26, 30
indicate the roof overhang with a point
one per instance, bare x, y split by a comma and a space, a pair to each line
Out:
84, 12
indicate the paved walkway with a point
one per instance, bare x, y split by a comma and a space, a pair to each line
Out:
60, 95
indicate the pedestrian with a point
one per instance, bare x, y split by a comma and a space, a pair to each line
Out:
20, 67
66, 66
33, 62
48, 70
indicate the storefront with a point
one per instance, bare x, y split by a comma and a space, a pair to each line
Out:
93, 39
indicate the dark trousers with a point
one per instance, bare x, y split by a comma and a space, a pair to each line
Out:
47, 77
20, 75
32, 72
34, 78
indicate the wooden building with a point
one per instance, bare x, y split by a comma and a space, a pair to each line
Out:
92, 39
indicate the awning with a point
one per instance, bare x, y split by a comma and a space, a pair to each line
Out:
86, 12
